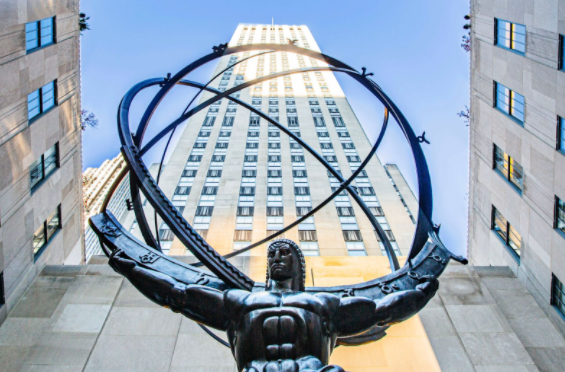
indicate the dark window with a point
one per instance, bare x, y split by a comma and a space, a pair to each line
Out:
561, 134
352, 236
204, 210
245, 211
274, 173
256, 101
330, 158
242, 235
274, 158
254, 121
200, 145
41, 100
252, 145
338, 121
250, 158
182, 190
557, 295
204, 134
342, 192
509, 102
302, 211
222, 145
249, 173
210, 190
319, 121
189, 173
274, 190
218, 158
44, 166
247, 190
343, 134
46, 231
301, 191
193, 158
362, 174
228, 121
166, 235
366, 191
180, 209
40, 33
225, 133
299, 173
506, 232
510, 35
274, 145
326, 145
559, 222
345, 211
376, 211
2, 293
295, 132
275, 211
209, 121
274, 133
390, 235
354, 159
508, 168
253, 134
323, 134
348, 145
292, 121
307, 235
297, 158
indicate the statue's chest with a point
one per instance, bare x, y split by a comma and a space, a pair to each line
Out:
279, 301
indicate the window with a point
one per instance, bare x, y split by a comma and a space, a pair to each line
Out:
292, 121
40, 33
557, 295
44, 166
510, 35
204, 211
309, 248
506, 232
242, 235
352, 236
356, 248
41, 100
561, 134
559, 222
2, 293
307, 235
245, 211
508, 168
46, 232
275, 211
509, 102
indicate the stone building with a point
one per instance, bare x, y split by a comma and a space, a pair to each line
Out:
40, 142
517, 144
96, 184
237, 179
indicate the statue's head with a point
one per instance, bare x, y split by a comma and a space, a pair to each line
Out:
286, 261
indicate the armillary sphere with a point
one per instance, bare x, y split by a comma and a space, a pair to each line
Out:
426, 260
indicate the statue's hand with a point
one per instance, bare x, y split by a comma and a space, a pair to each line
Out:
121, 263
429, 285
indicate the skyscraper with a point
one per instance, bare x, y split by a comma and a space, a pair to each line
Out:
40, 142
237, 179
517, 145
96, 184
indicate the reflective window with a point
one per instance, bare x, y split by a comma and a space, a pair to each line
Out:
506, 166
41, 100
509, 102
559, 215
560, 134
561, 53
39, 33
44, 166
506, 232
558, 295
46, 232
511, 35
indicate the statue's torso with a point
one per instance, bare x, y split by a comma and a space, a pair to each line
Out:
278, 329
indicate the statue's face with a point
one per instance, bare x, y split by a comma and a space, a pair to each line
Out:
282, 262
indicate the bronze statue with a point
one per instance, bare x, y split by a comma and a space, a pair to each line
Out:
283, 328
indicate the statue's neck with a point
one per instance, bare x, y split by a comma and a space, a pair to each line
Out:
282, 286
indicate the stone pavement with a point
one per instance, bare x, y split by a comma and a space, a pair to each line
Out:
87, 318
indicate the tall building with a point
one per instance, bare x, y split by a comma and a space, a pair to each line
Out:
96, 184
236, 179
40, 142
517, 144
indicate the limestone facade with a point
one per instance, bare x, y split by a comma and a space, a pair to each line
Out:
534, 71
26, 138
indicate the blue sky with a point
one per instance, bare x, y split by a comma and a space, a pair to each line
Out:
412, 47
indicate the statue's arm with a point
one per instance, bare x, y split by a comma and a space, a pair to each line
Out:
199, 303
357, 314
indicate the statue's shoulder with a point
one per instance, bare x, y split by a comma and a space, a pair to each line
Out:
331, 300
234, 299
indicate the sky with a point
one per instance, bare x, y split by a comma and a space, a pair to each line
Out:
411, 46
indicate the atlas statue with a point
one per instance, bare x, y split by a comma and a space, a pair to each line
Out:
280, 325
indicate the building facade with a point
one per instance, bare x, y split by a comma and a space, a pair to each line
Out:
40, 142
96, 183
517, 144
236, 179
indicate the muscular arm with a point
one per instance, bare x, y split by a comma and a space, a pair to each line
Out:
357, 314
199, 303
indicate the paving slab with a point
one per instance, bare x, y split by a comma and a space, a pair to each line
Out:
38, 302
142, 321
82, 318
